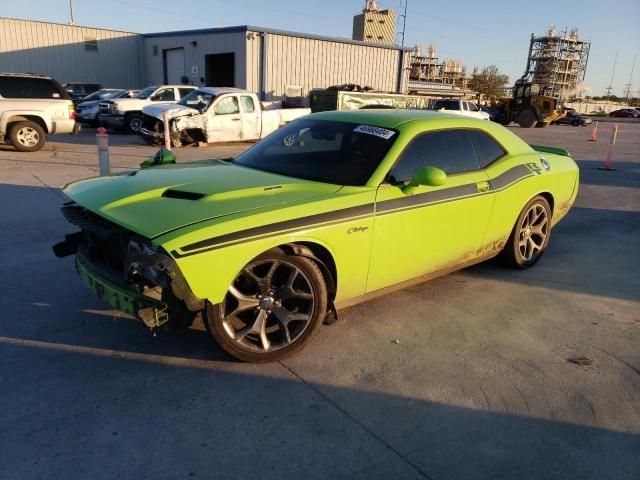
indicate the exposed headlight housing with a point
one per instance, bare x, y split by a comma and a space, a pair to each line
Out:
149, 262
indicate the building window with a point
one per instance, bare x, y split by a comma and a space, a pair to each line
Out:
91, 43
155, 50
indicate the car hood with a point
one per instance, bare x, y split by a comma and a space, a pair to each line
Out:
173, 109
157, 200
89, 104
129, 103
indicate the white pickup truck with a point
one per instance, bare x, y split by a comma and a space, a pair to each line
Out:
460, 107
221, 114
126, 113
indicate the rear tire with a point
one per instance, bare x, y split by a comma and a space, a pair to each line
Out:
27, 136
530, 235
272, 308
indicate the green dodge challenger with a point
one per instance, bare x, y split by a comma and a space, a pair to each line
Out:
328, 210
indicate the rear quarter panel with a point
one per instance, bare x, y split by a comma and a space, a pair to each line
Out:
519, 178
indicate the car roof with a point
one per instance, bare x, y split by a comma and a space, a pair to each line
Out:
392, 118
24, 75
220, 90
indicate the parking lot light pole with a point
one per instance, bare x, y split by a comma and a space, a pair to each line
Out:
103, 151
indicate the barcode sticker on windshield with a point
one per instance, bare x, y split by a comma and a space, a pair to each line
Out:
377, 131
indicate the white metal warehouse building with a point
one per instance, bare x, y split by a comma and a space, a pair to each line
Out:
258, 59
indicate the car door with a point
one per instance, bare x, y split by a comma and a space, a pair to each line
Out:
224, 123
250, 118
437, 227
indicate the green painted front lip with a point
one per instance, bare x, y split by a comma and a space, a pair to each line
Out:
122, 298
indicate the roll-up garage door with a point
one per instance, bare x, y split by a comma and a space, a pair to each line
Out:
173, 66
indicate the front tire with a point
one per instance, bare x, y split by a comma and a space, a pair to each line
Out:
530, 235
271, 309
133, 123
27, 136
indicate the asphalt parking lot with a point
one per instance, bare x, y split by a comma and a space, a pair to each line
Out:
464, 377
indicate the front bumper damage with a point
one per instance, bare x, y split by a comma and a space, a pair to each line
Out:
127, 271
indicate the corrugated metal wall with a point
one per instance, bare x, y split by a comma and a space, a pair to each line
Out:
206, 43
313, 63
59, 51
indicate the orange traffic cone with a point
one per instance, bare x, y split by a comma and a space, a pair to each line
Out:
612, 141
594, 131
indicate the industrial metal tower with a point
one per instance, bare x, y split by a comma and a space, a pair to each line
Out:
558, 61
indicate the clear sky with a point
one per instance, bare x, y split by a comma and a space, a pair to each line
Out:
478, 33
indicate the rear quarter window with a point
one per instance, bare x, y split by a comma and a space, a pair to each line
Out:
25, 87
486, 148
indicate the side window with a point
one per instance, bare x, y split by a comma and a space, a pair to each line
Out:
465, 105
24, 87
165, 95
472, 107
185, 91
487, 149
227, 106
450, 150
247, 104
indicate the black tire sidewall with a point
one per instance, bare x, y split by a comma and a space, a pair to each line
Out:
214, 314
511, 253
128, 122
16, 144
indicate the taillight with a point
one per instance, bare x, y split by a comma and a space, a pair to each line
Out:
72, 112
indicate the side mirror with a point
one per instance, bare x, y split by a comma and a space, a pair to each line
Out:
429, 176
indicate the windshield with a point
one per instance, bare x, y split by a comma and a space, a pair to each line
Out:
146, 92
197, 99
447, 105
323, 151
99, 95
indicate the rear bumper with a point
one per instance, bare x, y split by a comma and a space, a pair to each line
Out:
111, 121
64, 126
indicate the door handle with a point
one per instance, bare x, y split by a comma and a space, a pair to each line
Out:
482, 186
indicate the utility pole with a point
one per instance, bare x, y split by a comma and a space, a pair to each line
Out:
71, 22
609, 88
404, 21
627, 87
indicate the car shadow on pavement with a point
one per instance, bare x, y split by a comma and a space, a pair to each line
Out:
75, 413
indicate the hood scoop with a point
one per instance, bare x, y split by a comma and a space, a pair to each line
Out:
181, 195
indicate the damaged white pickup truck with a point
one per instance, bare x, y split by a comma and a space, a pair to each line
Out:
215, 115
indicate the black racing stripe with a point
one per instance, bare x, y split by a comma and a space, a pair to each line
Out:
297, 223
387, 207
510, 176
177, 254
423, 199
